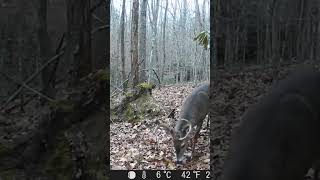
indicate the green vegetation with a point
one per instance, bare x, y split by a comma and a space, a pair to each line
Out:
146, 86
103, 75
203, 39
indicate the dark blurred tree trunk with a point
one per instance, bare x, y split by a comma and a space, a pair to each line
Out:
99, 38
45, 49
274, 32
78, 50
219, 37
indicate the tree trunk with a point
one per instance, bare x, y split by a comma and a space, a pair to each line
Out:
122, 51
78, 49
142, 39
164, 40
134, 43
45, 49
99, 37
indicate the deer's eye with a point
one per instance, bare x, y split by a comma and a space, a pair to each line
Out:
185, 130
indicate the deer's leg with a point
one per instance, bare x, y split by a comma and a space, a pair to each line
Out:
195, 140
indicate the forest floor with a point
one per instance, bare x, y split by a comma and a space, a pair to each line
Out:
138, 146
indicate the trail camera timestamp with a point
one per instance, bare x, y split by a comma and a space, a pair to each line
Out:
183, 174
161, 174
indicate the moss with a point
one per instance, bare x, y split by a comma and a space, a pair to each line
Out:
132, 115
64, 105
146, 86
102, 75
129, 94
60, 164
144, 101
149, 106
145, 106
113, 115
129, 111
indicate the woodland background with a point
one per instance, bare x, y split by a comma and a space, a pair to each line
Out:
154, 41
160, 44
255, 44
53, 88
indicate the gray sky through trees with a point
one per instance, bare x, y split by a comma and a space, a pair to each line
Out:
170, 47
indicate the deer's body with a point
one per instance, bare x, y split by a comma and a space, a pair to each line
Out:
192, 114
195, 107
278, 138
194, 110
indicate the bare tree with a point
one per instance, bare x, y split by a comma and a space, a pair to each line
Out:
154, 45
134, 43
165, 43
164, 40
142, 39
122, 51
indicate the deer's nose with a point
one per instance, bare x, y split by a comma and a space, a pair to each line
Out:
178, 162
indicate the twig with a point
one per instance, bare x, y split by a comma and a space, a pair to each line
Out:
14, 95
113, 93
27, 87
117, 88
8, 110
52, 78
100, 28
97, 18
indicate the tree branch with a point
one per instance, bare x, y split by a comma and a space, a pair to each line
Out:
99, 28
16, 93
27, 87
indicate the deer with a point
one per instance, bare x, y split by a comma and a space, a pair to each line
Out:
193, 112
278, 137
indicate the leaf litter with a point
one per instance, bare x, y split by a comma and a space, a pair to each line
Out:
137, 146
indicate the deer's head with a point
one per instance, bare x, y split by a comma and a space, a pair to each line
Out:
180, 135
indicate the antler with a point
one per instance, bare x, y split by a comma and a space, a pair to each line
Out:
190, 127
171, 130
